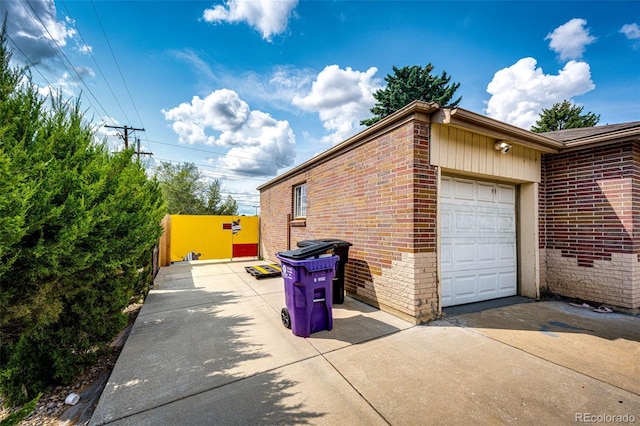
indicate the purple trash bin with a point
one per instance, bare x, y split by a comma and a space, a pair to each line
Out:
308, 294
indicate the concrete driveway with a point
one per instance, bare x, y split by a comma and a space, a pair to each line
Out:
208, 347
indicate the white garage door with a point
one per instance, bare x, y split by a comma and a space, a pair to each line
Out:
477, 240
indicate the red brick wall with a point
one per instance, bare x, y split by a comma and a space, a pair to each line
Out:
381, 197
635, 174
587, 202
425, 189
542, 203
589, 233
275, 206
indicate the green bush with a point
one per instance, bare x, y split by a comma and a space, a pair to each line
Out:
77, 228
17, 416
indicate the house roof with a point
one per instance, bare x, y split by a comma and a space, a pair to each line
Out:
551, 142
458, 117
597, 134
407, 113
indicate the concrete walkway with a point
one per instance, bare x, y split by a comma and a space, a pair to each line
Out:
209, 348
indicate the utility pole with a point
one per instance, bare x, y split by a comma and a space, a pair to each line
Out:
138, 152
125, 135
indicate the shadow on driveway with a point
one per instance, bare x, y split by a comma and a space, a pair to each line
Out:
208, 347
187, 343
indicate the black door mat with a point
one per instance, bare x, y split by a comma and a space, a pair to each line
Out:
264, 271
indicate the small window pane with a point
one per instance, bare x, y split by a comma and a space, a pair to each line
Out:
300, 201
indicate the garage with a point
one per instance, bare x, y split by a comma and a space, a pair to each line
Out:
477, 240
441, 206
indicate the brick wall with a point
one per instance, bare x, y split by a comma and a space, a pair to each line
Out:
588, 197
635, 188
381, 197
542, 217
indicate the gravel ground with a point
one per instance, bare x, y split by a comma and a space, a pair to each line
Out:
52, 410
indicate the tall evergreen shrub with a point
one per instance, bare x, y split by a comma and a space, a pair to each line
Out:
77, 227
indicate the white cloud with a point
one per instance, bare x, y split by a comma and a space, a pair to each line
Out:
35, 28
199, 65
39, 36
85, 49
569, 40
631, 31
521, 91
286, 82
342, 98
275, 151
267, 16
64, 85
242, 190
260, 144
276, 89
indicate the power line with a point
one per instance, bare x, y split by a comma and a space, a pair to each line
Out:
248, 199
135, 108
138, 152
243, 194
116, 98
97, 65
209, 151
124, 136
214, 168
116, 61
57, 49
30, 64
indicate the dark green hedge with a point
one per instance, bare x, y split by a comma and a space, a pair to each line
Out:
77, 228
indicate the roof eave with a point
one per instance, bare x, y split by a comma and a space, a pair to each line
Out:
462, 118
605, 138
386, 124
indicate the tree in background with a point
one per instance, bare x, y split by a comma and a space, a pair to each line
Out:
187, 192
229, 207
182, 187
77, 228
564, 115
412, 83
215, 205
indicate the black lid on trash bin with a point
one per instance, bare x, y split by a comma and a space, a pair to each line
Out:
337, 242
308, 252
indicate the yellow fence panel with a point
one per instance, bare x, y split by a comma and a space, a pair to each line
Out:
246, 236
213, 237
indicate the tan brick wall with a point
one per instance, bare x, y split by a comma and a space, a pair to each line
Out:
607, 281
408, 288
635, 291
381, 197
543, 269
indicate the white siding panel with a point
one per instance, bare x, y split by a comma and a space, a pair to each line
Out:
465, 151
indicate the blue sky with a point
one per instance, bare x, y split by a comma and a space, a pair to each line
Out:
247, 89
